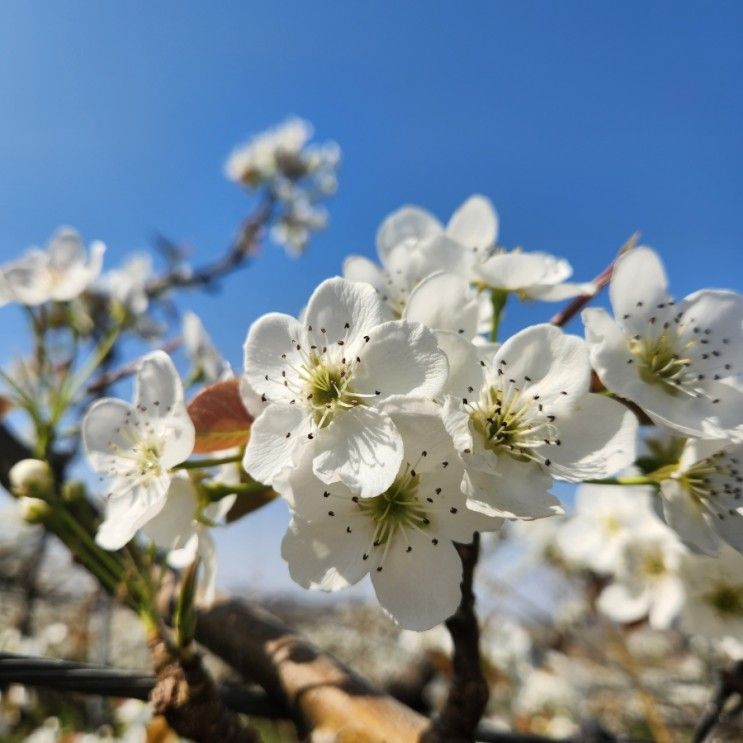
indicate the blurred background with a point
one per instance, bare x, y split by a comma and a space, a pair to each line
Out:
583, 122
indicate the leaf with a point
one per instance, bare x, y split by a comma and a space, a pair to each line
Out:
220, 418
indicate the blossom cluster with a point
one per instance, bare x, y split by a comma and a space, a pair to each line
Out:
396, 425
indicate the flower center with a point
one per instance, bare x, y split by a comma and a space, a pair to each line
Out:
397, 508
328, 387
659, 362
726, 599
715, 482
653, 564
147, 456
506, 420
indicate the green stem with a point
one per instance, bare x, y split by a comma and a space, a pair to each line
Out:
197, 464
498, 298
638, 480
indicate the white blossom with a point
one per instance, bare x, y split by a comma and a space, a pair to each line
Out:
133, 447
646, 578
401, 536
60, 273
671, 358
261, 158
702, 496
182, 528
530, 275
605, 517
527, 416
128, 284
294, 227
328, 377
714, 594
205, 358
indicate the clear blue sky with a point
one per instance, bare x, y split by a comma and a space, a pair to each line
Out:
583, 121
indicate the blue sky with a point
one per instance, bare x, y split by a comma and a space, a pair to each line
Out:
583, 122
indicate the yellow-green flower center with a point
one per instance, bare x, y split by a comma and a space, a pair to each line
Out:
328, 387
659, 362
726, 599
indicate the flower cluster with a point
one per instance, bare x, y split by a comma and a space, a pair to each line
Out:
297, 175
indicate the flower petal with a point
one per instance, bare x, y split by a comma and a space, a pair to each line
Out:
276, 437
411, 223
401, 358
686, 517
444, 301
362, 448
419, 588
474, 224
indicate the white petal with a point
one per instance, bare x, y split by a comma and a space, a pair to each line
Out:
444, 301
126, 513
545, 361
270, 350
276, 437
638, 286
358, 268
102, 433
174, 525
208, 553
466, 373
668, 598
402, 358
622, 604
342, 312
517, 271
158, 389
457, 423
409, 223
419, 588
324, 555
559, 292
362, 448
686, 517
597, 438
514, 490
475, 223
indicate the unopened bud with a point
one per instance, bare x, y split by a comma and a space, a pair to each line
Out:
34, 510
31, 478
73, 491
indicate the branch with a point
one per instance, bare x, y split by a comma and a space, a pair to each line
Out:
469, 691
242, 248
730, 683
567, 313
322, 693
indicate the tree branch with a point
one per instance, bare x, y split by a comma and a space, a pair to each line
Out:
469, 691
567, 313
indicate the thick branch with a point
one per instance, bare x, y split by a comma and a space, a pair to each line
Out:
469, 691
324, 695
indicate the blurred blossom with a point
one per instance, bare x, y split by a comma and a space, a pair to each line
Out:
206, 361
60, 273
434, 640
128, 284
605, 517
546, 692
507, 645
296, 177
714, 588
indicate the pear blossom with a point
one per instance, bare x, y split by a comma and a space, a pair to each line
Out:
605, 517
264, 155
714, 594
647, 580
128, 284
328, 378
527, 416
182, 528
133, 447
530, 275
401, 536
294, 227
671, 358
60, 273
702, 496
205, 359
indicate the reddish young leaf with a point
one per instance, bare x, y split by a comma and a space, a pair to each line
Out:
219, 417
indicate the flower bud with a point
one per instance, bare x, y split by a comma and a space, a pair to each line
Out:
34, 510
73, 491
31, 478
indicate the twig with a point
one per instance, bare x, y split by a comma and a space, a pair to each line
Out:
241, 249
729, 684
566, 314
468, 692
106, 380
28, 578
